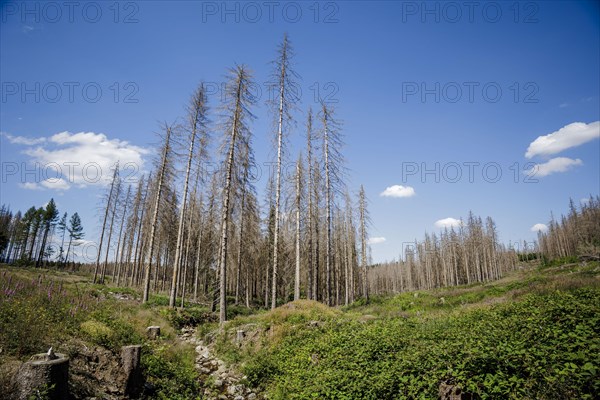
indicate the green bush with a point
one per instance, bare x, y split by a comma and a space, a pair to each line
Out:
189, 316
171, 369
36, 313
543, 347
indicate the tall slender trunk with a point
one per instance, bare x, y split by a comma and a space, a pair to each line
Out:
110, 195
277, 197
225, 210
298, 192
363, 241
310, 289
139, 246
327, 209
155, 217
238, 275
119, 249
110, 231
176, 266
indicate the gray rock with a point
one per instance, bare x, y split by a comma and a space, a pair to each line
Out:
448, 391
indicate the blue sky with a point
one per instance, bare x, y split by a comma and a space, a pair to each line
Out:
444, 87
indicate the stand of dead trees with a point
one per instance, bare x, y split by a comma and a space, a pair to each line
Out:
469, 254
194, 228
577, 234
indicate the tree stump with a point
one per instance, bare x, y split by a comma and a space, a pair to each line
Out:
132, 371
153, 332
240, 334
45, 377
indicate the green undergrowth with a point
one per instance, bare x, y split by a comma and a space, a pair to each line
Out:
47, 308
170, 368
533, 335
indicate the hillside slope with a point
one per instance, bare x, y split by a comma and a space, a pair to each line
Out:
533, 335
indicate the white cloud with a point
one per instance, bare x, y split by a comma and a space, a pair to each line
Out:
563, 105
568, 136
398, 191
30, 186
585, 200
23, 140
376, 240
448, 223
558, 164
539, 227
56, 183
80, 159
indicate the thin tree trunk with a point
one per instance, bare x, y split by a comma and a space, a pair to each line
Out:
120, 252
110, 195
297, 271
110, 231
155, 217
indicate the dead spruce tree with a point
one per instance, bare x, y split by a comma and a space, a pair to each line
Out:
196, 127
162, 170
298, 207
311, 292
333, 170
238, 100
364, 221
121, 246
245, 191
109, 200
285, 86
113, 214
137, 256
130, 231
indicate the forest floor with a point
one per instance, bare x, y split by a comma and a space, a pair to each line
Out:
535, 334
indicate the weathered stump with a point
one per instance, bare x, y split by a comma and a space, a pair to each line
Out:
239, 338
132, 371
44, 376
153, 332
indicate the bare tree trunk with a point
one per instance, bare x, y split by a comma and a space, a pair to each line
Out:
139, 246
363, 240
155, 216
327, 207
197, 110
119, 249
298, 205
110, 230
310, 291
277, 195
110, 195
283, 75
240, 95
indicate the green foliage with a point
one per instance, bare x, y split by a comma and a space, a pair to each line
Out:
544, 347
555, 262
121, 330
188, 316
526, 257
171, 369
36, 313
